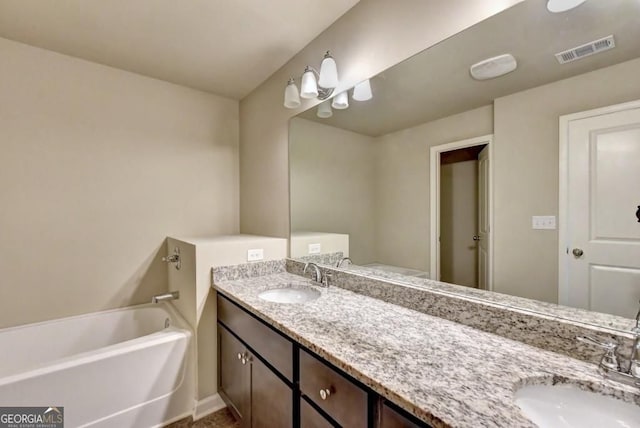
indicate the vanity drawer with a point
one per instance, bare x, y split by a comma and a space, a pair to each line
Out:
271, 346
346, 402
310, 418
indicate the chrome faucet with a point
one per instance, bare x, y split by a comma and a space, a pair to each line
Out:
174, 295
318, 272
342, 261
174, 258
319, 277
610, 365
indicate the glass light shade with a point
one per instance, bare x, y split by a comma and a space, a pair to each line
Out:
328, 72
558, 6
324, 110
341, 101
362, 91
291, 97
309, 87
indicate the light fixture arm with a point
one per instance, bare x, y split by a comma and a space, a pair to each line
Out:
323, 93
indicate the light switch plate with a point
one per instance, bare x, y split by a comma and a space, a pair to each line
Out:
255, 254
547, 222
315, 248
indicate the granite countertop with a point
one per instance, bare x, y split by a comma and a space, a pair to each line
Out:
445, 373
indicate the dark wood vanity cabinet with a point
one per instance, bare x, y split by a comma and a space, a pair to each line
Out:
257, 396
269, 381
310, 418
235, 380
336, 395
390, 418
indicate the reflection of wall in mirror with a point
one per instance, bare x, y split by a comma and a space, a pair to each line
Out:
332, 173
376, 188
525, 128
526, 172
402, 188
307, 243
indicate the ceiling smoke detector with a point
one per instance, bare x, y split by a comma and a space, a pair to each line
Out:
493, 67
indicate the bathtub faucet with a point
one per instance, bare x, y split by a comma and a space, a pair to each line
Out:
165, 297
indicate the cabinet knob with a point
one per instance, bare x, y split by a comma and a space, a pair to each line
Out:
325, 393
244, 358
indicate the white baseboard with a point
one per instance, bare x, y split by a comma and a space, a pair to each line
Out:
208, 405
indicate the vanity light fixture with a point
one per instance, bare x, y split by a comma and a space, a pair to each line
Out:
362, 91
341, 101
313, 84
324, 110
291, 97
558, 6
321, 85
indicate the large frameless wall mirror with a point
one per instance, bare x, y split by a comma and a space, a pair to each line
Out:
469, 180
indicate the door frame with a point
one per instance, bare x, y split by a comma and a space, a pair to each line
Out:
434, 199
563, 189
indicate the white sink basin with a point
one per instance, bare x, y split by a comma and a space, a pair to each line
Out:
564, 406
298, 294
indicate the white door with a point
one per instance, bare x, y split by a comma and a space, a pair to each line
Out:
483, 219
602, 237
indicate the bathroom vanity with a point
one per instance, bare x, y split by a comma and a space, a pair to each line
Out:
270, 380
348, 359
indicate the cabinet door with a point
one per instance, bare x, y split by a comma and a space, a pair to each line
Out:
392, 419
233, 376
271, 398
310, 418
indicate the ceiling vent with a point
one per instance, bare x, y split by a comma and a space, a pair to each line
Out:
585, 50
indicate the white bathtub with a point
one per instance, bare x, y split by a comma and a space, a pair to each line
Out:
119, 368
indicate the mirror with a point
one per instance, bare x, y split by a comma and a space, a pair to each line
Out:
477, 164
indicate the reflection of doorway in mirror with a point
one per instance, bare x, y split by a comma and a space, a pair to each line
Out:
599, 195
460, 212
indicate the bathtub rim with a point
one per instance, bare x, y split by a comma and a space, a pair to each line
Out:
176, 317
178, 326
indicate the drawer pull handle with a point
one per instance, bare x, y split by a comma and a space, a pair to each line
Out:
239, 356
325, 393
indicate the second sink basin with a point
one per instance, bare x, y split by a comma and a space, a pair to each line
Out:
296, 294
567, 406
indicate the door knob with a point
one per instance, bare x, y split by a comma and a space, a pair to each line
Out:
577, 252
476, 238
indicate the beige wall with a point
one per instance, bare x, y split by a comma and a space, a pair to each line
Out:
526, 172
458, 223
371, 37
98, 166
402, 184
197, 302
332, 184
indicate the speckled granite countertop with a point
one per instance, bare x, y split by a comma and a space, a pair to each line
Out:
446, 374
